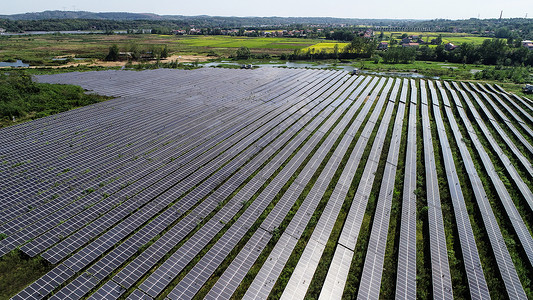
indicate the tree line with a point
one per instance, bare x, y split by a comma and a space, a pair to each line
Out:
134, 53
490, 52
337, 29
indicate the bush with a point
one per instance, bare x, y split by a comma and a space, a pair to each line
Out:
113, 53
244, 53
513, 74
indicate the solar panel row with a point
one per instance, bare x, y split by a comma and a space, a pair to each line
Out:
265, 279
515, 104
232, 276
176, 267
305, 269
406, 273
336, 278
440, 270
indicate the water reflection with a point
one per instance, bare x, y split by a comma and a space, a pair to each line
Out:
17, 63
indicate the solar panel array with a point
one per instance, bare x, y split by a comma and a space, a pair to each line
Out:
214, 182
481, 89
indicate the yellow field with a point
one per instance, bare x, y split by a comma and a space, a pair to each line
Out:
328, 47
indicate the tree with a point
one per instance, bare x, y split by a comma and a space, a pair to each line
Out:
135, 52
336, 51
164, 52
426, 53
362, 47
440, 53
502, 33
493, 51
469, 53
244, 53
438, 40
519, 55
113, 53
399, 55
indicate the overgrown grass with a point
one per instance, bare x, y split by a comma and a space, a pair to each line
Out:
17, 270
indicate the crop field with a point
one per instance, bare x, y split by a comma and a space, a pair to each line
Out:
447, 37
328, 47
250, 42
271, 183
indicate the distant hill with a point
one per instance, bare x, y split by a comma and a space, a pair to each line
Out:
59, 14
238, 21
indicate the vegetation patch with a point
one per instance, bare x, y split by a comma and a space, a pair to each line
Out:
21, 99
17, 270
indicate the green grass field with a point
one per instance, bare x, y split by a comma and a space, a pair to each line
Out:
39, 50
250, 42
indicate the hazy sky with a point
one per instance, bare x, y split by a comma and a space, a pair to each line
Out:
377, 9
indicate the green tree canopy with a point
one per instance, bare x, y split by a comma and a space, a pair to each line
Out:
244, 53
113, 53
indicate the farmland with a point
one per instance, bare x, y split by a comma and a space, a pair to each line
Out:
329, 47
447, 37
41, 49
281, 183
236, 42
